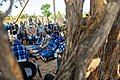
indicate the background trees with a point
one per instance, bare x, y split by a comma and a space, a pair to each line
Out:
45, 10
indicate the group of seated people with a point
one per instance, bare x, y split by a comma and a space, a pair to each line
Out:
46, 39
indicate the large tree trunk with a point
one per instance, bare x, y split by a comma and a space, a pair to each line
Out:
107, 69
111, 64
8, 65
97, 7
81, 49
9, 69
74, 14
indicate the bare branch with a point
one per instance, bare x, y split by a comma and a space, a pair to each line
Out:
8, 10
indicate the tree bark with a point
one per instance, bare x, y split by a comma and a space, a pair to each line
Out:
81, 49
74, 14
8, 65
97, 7
9, 69
107, 68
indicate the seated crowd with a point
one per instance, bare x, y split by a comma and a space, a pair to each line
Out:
26, 40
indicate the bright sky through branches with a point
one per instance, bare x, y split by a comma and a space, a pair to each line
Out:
34, 6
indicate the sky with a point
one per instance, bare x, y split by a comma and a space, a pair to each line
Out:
33, 7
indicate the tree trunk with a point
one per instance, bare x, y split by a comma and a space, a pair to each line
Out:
81, 49
73, 14
48, 19
8, 65
54, 10
107, 69
97, 8
9, 69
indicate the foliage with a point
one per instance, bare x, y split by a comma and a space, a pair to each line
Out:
33, 16
1, 12
59, 16
23, 16
45, 10
7, 18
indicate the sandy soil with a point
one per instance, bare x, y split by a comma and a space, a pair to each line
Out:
49, 67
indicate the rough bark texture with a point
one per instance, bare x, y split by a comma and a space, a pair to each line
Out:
8, 65
80, 50
109, 55
74, 14
97, 7
9, 69
108, 63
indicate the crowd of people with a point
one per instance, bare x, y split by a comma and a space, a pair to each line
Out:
30, 37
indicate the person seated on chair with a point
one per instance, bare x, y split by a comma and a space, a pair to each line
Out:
22, 56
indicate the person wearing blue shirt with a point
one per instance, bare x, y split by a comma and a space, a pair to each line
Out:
20, 51
22, 55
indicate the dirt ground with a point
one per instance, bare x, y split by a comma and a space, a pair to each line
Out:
49, 67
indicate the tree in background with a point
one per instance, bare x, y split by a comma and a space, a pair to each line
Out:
45, 11
59, 17
33, 16
23, 16
1, 12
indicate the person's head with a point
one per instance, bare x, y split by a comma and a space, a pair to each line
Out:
44, 33
8, 23
63, 23
39, 24
21, 24
30, 19
16, 25
49, 77
11, 24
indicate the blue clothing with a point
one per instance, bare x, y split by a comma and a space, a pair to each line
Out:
20, 51
5, 27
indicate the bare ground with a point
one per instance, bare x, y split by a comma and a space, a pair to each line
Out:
49, 67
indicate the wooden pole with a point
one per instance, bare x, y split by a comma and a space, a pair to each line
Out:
22, 11
54, 11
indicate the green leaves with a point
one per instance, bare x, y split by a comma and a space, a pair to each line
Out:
1, 13
45, 10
